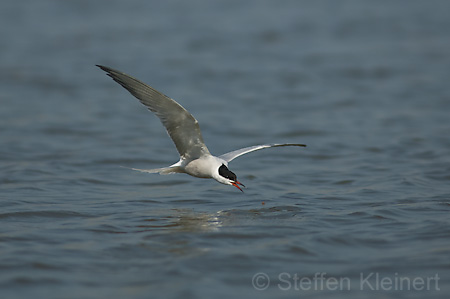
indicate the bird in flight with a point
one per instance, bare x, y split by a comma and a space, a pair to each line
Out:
183, 128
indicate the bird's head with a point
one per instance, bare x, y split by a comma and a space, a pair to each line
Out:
227, 177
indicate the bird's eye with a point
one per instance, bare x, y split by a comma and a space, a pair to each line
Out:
226, 173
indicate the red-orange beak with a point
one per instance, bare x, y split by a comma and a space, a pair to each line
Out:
236, 183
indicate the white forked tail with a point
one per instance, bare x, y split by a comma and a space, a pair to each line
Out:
163, 171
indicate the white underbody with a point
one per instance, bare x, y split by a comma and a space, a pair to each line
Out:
205, 167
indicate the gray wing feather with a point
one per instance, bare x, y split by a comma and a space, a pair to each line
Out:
182, 127
234, 154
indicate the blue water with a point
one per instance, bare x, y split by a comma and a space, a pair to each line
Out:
362, 212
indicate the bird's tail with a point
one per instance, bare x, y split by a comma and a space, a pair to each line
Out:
163, 171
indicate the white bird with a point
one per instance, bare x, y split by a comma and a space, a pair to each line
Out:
183, 128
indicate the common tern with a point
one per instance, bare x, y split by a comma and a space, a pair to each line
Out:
183, 128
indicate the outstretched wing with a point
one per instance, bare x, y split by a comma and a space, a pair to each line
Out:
182, 127
234, 154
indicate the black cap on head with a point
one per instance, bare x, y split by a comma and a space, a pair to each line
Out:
226, 173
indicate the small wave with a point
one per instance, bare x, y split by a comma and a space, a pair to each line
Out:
42, 214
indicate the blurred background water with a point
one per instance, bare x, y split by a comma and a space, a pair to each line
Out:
365, 84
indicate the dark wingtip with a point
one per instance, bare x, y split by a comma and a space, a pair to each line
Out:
104, 68
291, 144
110, 72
